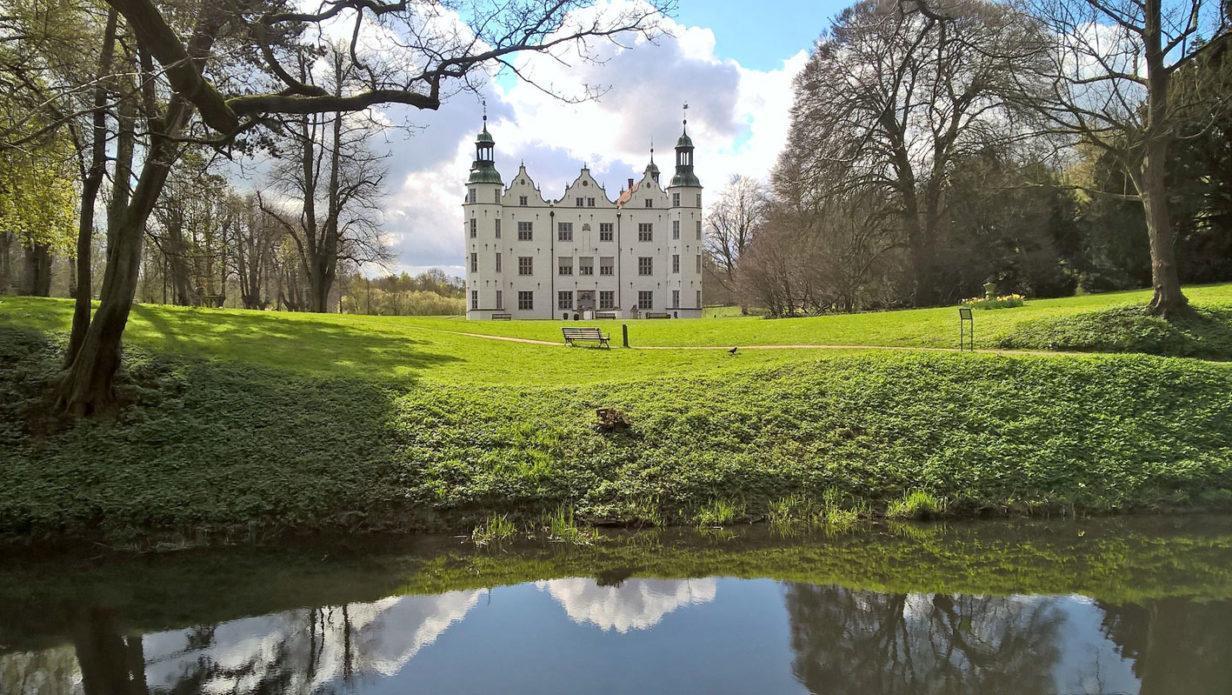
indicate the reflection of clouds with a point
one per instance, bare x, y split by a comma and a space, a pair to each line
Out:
305, 648
636, 604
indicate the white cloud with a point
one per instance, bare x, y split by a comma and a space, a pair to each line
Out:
738, 119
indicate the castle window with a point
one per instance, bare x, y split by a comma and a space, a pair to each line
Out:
699, 200
590, 202
474, 299
607, 265
474, 262
522, 200
675, 200
565, 265
605, 231
675, 298
500, 299
645, 231
474, 227
496, 196
699, 230
470, 196
586, 265
675, 229
580, 202
649, 202
699, 263
498, 261
564, 299
645, 300
564, 231
675, 263
526, 265
525, 231
526, 300
645, 265
607, 299
498, 228
699, 299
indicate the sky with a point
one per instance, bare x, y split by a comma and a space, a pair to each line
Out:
733, 67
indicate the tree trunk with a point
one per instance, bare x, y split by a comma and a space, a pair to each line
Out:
36, 271
6, 262
1168, 300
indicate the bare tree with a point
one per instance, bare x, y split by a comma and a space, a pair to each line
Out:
334, 182
893, 95
738, 212
1102, 78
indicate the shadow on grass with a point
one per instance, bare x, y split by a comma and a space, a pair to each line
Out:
1206, 332
286, 342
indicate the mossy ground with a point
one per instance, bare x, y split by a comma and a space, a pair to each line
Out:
243, 420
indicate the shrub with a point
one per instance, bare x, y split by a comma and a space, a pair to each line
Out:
718, 513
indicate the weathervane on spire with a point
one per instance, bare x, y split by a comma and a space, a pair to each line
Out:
485, 113
652, 150
686, 113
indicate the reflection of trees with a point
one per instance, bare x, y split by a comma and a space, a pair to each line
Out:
1177, 645
863, 642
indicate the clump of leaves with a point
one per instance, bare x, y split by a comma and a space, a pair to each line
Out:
563, 527
916, 504
719, 513
496, 529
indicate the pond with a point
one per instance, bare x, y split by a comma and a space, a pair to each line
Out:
1087, 606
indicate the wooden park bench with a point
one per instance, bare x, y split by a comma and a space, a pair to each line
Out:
574, 335
658, 315
605, 315
502, 317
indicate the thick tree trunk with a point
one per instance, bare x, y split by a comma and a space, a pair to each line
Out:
1168, 300
36, 270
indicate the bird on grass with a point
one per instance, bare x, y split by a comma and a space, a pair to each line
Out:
732, 351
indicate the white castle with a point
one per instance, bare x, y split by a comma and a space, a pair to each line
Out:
583, 256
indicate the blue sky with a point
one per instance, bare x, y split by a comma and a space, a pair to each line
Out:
776, 30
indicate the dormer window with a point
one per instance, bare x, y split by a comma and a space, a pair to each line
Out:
649, 203
590, 202
522, 201
580, 202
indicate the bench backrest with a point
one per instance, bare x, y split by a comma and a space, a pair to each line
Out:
582, 333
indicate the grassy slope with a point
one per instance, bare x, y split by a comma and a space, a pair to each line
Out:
324, 421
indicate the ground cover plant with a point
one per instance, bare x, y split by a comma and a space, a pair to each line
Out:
248, 420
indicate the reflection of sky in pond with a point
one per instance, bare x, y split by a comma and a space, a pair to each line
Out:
636, 604
708, 635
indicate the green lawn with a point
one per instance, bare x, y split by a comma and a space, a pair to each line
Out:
244, 420
937, 327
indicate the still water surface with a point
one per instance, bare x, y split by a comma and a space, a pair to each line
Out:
990, 607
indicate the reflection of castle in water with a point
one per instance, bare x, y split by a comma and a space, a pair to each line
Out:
634, 604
